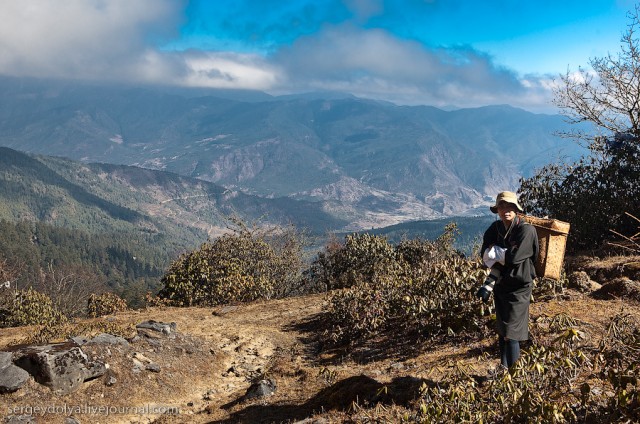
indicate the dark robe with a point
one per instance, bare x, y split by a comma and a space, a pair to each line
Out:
512, 292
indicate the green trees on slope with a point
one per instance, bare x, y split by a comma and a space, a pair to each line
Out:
50, 258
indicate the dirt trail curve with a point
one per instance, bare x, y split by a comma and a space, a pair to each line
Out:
220, 351
208, 367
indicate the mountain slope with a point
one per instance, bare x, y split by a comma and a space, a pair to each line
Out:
373, 163
102, 197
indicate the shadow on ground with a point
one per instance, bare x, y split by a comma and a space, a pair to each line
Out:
341, 396
398, 344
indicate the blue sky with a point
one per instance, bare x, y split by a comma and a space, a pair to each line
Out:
461, 53
542, 36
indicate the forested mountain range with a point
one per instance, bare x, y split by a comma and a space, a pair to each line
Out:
121, 225
155, 172
370, 163
100, 198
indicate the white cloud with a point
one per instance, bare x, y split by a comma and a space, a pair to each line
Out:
118, 39
81, 38
374, 63
229, 70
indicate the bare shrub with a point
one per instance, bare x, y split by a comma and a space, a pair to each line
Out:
69, 288
594, 192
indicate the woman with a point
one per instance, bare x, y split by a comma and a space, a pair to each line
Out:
513, 271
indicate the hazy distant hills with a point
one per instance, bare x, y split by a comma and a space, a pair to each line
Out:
369, 164
104, 198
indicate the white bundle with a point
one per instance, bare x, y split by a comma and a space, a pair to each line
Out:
493, 255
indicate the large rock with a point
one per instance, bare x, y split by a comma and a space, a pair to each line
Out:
155, 331
107, 339
11, 377
161, 327
63, 367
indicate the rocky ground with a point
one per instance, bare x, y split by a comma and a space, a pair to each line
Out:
263, 362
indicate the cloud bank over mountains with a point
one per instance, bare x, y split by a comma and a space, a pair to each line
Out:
139, 42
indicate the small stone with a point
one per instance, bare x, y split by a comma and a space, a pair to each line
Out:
153, 367
12, 377
581, 281
79, 340
140, 357
261, 389
20, 419
312, 421
137, 366
224, 310
208, 395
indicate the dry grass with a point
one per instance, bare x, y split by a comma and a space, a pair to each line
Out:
219, 351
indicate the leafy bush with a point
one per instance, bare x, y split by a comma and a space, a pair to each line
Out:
418, 284
455, 399
358, 259
363, 256
435, 299
105, 304
66, 330
592, 194
556, 382
539, 388
28, 307
546, 288
365, 308
620, 351
441, 298
245, 265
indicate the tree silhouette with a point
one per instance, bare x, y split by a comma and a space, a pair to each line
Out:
595, 192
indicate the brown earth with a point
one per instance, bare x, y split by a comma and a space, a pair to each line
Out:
220, 351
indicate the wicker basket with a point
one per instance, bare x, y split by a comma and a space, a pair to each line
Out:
552, 237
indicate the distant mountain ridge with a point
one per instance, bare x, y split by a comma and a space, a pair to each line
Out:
105, 198
366, 163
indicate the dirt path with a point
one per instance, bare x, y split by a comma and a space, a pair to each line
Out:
235, 345
220, 351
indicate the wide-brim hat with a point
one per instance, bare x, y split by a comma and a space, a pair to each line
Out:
508, 197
